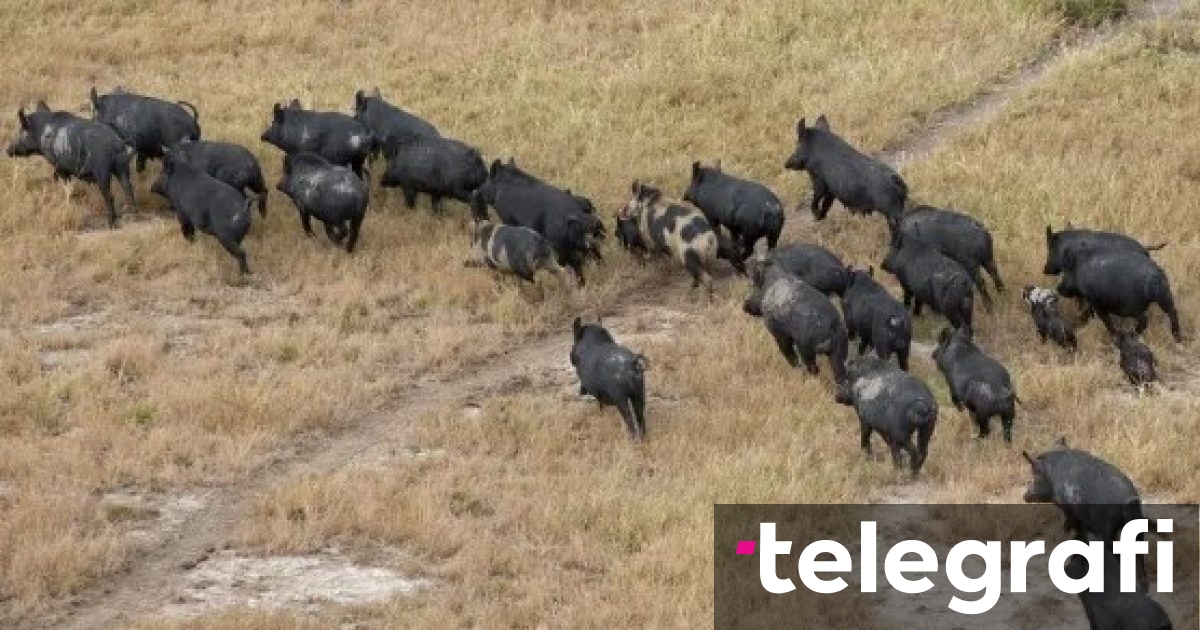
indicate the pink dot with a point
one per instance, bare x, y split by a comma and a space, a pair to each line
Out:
745, 547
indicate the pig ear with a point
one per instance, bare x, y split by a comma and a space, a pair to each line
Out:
576, 328
871, 271
637, 187
277, 113
695, 170
295, 104
42, 106
512, 160
1049, 234
495, 168
800, 128
717, 166
359, 96
21, 117
822, 122
95, 97
1061, 442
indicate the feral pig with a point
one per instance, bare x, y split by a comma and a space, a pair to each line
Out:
76, 148
552, 212
957, 235
1064, 249
749, 210
1112, 609
437, 166
207, 204
1137, 361
629, 236
332, 135
876, 318
611, 373
511, 249
929, 277
892, 403
1050, 323
817, 266
840, 172
976, 381
228, 162
803, 322
149, 125
593, 225
388, 123
673, 229
333, 194
1095, 497
1122, 284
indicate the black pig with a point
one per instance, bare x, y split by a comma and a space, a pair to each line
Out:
929, 277
149, 125
437, 166
387, 123
749, 210
228, 162
876, 318
1121, 284
331, 193
840, 172
76, 148
611, 373
803, 322
205, 203
892, 403
332, 135
976, 381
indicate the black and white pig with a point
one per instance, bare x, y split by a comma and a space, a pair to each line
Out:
977, 382
513, 250
749, 210
957, 235
817, 266
149, 125
1112, 609
1121, 284
433, 165
876, 318
1095, 497
552, 212
1136, 359
928, 276
228, 162
332, 135
388, 123
77, 149
673, 229
1049, 321
803, 322
611, 373
892, 403
1064, 249
331, 193
205, 203
840, 172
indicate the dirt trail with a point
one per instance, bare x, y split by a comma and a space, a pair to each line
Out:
158, 572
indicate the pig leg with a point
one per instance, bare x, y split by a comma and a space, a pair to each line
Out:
1107, 318
787, 348
410, 197
331, 232
826, 204
977, 278
352, 238
435, 200
1166, 302
306, 221
908, 297
186, 227
914, 459
917, 306
626, 411
237, 252
810, 361
104, 181
897, 460
140, 162
862, 347
902, 358
638, 400
819, 192
1143, 320
865, 440
1006, 423
981, 421
990, 266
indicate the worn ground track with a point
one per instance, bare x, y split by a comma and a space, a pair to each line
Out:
152, 576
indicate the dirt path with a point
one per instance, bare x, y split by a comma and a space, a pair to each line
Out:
158, 571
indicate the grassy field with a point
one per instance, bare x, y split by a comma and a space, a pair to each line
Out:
140, 364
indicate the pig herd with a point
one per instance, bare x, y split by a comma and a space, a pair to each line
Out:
938, 256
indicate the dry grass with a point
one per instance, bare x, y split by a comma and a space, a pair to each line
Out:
140, 362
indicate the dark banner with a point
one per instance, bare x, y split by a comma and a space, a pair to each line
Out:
929, 567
